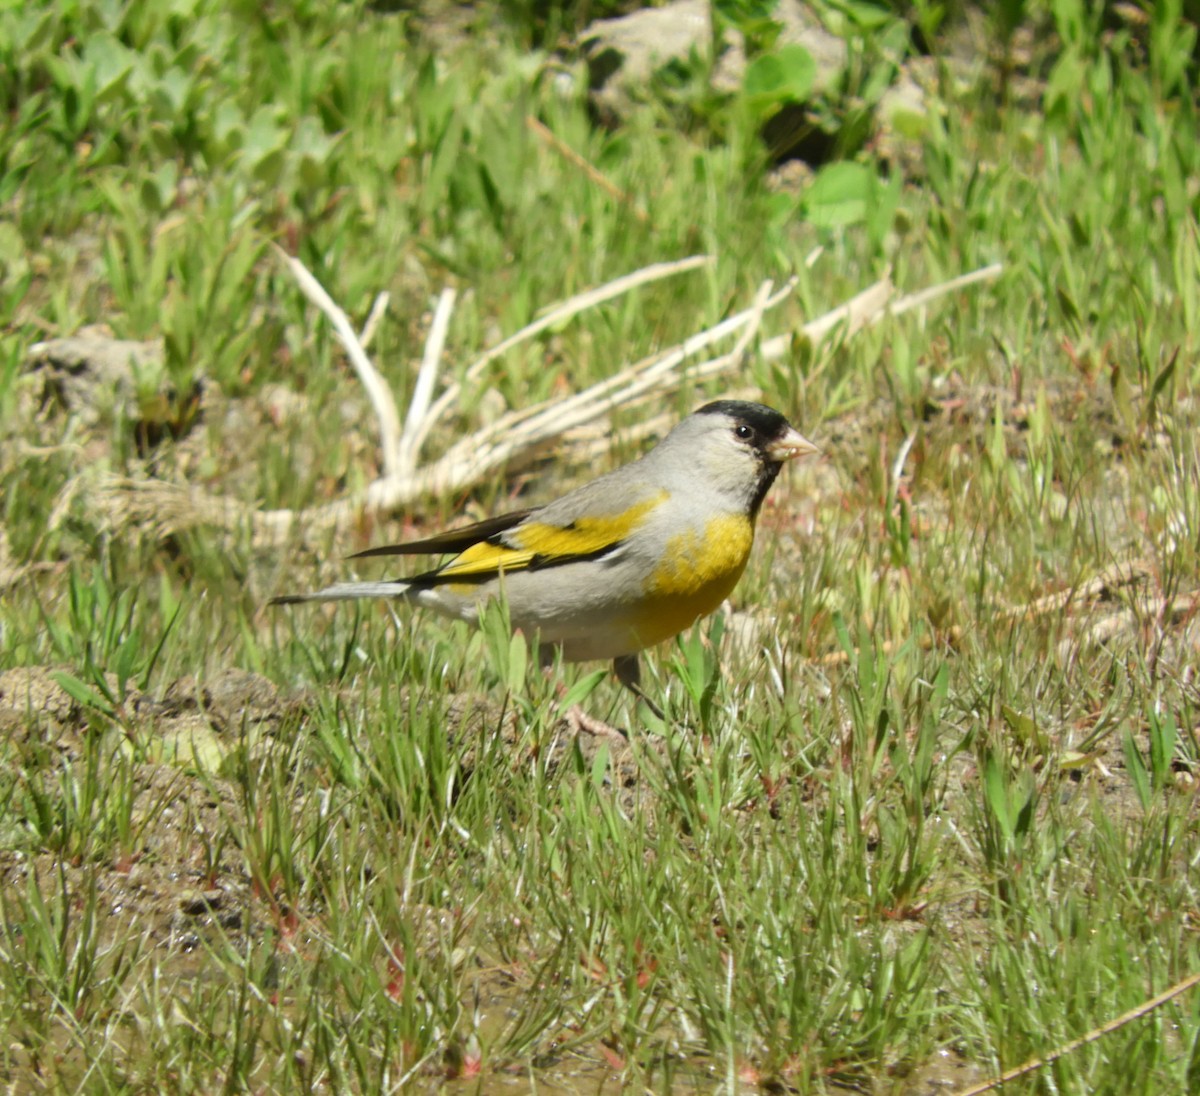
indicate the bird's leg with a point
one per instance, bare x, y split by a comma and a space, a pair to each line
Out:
629, 674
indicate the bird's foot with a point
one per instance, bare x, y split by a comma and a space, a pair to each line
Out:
580, 722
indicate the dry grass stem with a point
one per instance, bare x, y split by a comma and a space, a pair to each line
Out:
740, 348
559, 314
593, 173
419, 421
513, 437
378, 311
377, 390
1102, 586
1135, 1013
926, 296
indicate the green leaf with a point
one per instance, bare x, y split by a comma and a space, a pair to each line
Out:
518, 662
159, 189
843, 635
1161, 380
841, 194
785, 75
739, 12
995, 788
1135, 765
865, 16
1193, 1066
494, 627
1026, 796
112, 64
1162, 748
84, 694
265, 140
583, 688
1024, 729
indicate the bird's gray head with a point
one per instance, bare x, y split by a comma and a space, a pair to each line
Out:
738, 447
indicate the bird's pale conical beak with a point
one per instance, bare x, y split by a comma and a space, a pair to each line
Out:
793, 444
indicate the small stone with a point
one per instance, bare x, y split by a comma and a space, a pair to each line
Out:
195, 903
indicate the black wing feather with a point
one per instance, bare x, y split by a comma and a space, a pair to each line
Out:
454, 540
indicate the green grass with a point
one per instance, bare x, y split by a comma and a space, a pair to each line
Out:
927, 808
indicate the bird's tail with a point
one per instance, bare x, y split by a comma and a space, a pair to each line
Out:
346, 591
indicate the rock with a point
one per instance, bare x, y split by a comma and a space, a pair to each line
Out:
32, 693
92, 374
231, 698
190, 741
624, 53
800, 28
90, 371
195, 903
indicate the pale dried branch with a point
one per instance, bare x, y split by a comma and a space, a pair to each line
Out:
527, 428
512, 437
860, 310
738, 353
418, 420
900, 461
377, 390
1103, 585
559, 314
378, 311
581, 302
926, 296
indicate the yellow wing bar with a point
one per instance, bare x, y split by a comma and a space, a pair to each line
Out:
536, 543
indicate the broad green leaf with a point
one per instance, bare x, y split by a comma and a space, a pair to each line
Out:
112, 64
1162, 747
83, 693
583, 688
1135, 765
1024, 729
841, 194
995, 786
785, 75
518, 662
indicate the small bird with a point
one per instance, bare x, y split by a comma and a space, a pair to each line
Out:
619, 564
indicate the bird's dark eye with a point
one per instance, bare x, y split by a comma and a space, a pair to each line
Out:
744, 432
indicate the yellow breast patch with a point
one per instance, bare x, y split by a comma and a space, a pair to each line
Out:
694, 576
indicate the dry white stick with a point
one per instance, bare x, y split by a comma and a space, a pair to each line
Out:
378, 309
474, 457
166, 507
863, 308
528, 427
924, 296
860, 311
664, 365
901, 460
738, 353
377, 390
589, 299
563, 311
1107, 1028
415, 429
525, 429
